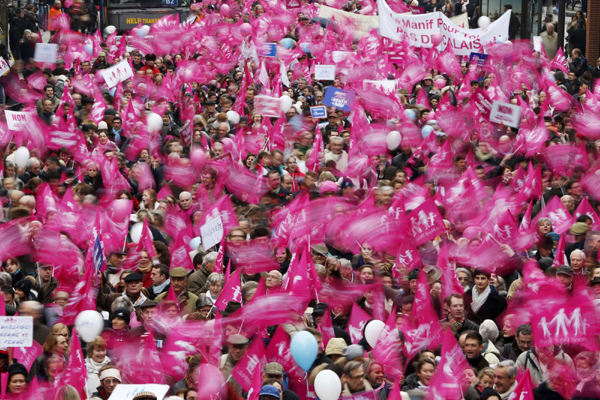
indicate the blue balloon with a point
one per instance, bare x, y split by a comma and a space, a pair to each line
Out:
89, 48
288, 43
426, 131
304, 349
410, 114
304, 47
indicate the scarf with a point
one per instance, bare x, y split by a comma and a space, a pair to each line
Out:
158, 289
509, 392
479, 299
93, 367
140, 300
584, 380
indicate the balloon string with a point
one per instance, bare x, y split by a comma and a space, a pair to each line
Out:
306, 379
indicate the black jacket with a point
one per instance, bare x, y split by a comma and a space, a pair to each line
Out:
543, 392
491, 309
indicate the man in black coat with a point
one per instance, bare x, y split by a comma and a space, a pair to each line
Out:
515, 25
483, 301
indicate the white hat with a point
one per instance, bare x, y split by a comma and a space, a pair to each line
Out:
102, 125
110, 373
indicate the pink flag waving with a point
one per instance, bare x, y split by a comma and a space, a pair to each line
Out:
82, 298
561, 218
76, 372
426, 222
560, 61
27, 355
180, 256
524, 389
231, 292
252, 363
586, 208
560, 258
279, 351
145, 242
356, 323
447, 381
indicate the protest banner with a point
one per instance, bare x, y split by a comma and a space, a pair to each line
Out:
318, 112
267, 106
4, 67
419, 29
186, 134
482, 102
324, 72
117, 73
338, 98
16, 332
212, 232
268, 50
128, 392
478, 58
45, 52
505, 113
362, 24
17, 120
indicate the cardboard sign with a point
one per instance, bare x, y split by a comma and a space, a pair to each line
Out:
16, 332
117, 73
505, 113
318, 112
186, 134
324, 72
338, 98
267, 106
292, 4
45, 52
127, 392
17, 120
269, 50
4, 67
478, 58
212, 232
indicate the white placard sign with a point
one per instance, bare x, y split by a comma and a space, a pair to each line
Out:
505, 113
127, 392
16, 332
4, 67
211, 232
17, 120
45, 52
537, 44
324, 72
117, 73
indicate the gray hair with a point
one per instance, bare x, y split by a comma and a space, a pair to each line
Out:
510, 366
33, 161
386, 189
577, 252
119, 302
186, 193
210, 257
5, 279
214, 278
337, 139
488, 330
352, 366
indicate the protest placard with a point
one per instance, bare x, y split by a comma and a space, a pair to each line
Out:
211, 232
45, 52
127, 392
117, 73
324, 72
16, 332
505, 113
17, 120
4, 67
339, 98
318, 112
478, 58
269, 50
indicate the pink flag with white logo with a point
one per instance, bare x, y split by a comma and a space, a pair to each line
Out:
426, 222
279, 351
27, 355
356, 323
180, 256
447, 381
560, 258
76, 372
251, 364
524, 389
145, 242
408, 258
560, 61
561, 218
231, 292
585, 208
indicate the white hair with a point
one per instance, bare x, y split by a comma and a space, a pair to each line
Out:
488, 331
577, 252
185, 193
33, 161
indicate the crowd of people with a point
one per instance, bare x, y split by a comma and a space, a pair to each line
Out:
427, 251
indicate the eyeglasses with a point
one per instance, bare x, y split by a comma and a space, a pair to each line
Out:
357, 377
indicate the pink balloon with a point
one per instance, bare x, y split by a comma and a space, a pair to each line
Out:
439, 83
246, 29
224, 11
228, 144
211, 385
121, 209
436, 38
431, 116
198, 159
471, 233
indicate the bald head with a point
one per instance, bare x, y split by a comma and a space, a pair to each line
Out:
550, 28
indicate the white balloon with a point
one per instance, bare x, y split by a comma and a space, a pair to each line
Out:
22, 156
195, 242
89, 48
286, 103
136, 232
146, 28
140, 32
372, 332
89, 325
484, 22
233, 117
328, 385
393, 140
154, 122
110, 29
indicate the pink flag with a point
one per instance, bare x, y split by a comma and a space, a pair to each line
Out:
231, 292
408, 258
219, 261
214, 351
447, 380
76, 372
82, 298
27, 355
145, 242
426, 222
279, 351
184, 341
326, 327
560, 61
450, 282
560, 258
252, 363
562, 159
586, 208
561, 218
180, 256
524, 389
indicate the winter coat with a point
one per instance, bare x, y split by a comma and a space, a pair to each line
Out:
92, 368
491, 353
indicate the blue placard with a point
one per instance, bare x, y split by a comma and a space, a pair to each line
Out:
170, 3
479, 58
318, 112
338, 98
269, 50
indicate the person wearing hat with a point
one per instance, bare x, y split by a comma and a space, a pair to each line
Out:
46, 283
101, 62
17, 379
179, 281
23, 291
269, 392
60, 68
86, 108
110, 377
319, 313
319, 253
595, 284
120, 319
335, 349
210, 112
150, 60
114, 265
564, 274
274, 370
579, 231
236, 348
146, 315
145, 396
133, 291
